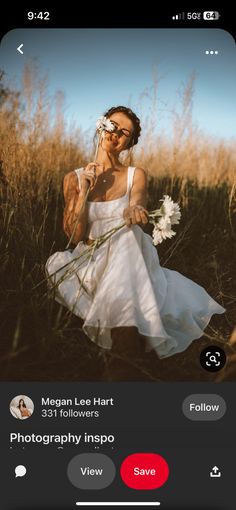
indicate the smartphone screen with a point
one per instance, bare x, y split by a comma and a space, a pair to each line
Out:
118, 296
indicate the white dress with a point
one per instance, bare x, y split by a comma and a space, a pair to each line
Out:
126, 286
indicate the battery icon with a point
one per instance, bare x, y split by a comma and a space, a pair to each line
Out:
211, 15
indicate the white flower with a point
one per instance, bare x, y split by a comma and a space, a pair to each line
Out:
162, 231
175, 217
167, 206
168, 233
157, 235
164, 223
104, 124
171, 210
169, 214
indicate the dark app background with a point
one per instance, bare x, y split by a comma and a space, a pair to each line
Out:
147, 416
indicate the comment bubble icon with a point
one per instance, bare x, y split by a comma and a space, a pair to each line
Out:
20, 471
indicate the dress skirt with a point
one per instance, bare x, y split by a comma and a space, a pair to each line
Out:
122, 284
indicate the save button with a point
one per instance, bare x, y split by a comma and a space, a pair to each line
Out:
144, 471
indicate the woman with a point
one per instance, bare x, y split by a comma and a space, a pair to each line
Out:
24, 411
122, 288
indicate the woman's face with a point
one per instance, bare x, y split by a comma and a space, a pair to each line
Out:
118, 140
21, 401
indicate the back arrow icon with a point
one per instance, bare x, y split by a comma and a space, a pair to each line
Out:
19, 49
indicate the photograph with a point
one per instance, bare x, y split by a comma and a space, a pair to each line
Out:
21, 407
118, 200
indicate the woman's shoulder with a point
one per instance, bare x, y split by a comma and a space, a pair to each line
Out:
140, 175
70, 177
70, 181
140, 171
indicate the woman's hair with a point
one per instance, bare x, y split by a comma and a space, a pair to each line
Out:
21, 399
133, 117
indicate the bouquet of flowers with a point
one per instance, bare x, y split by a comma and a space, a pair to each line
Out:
169, 214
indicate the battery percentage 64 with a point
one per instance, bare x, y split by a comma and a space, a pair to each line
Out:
211, 15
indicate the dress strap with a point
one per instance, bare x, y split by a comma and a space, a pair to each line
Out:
78, 172
130, 176
131, 170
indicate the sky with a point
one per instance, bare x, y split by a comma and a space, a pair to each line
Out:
100, 68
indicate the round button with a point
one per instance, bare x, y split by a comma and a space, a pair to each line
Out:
213, 358
144, 471
204, 407
91, 471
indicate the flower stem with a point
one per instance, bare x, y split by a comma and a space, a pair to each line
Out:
78, 218
85, 198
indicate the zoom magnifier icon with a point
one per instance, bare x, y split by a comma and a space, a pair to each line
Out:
213, 358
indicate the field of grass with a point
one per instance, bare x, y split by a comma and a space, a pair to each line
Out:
41, 340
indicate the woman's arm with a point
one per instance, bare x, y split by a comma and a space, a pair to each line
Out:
136, 213
75, 205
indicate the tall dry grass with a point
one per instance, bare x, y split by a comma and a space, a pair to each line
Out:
42, 340
185, 152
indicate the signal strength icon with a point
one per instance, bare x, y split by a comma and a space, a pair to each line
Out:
181, 15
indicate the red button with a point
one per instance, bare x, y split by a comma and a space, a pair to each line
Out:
144, 471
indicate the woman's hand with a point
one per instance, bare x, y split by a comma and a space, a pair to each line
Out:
135, 214
88, 176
